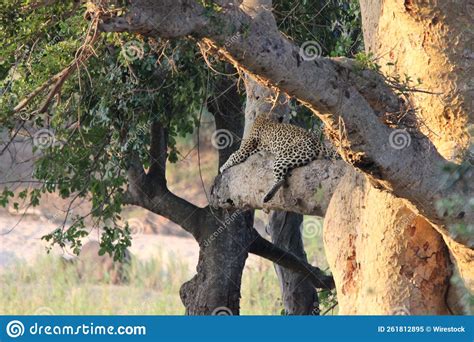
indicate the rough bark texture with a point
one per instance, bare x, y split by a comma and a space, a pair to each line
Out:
438, 35
385, 259
308, 189
298, 293
410, 271
225, 236
352, 104
298, 290
215, 289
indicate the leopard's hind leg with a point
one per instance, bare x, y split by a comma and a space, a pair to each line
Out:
281, 168
286, 162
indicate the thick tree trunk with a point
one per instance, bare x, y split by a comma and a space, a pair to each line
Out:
225, 235
298, 293
215, 289
385, 258
355, 105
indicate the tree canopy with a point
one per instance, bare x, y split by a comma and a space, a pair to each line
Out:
87, 99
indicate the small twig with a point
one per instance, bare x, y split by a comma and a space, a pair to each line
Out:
82, 54
13, 138
330, 308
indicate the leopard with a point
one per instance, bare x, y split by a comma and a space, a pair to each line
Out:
292, 146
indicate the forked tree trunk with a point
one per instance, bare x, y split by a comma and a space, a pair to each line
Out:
385, 259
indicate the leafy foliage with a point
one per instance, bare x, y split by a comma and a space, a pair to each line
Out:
104, 110
335, 25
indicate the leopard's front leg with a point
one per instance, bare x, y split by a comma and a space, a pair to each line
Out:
247, 148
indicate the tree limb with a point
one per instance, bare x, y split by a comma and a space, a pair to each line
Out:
150, 191
415, 173
269, 251
56, 82
309, 188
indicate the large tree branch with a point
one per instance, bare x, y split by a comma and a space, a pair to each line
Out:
159, 200
416, 172
149, 190
309, 188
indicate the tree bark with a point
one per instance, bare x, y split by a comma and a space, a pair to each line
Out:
308, 190
225, 236
215, 289
409, 273
298, 293
385, 259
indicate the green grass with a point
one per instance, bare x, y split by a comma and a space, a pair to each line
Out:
260, 290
